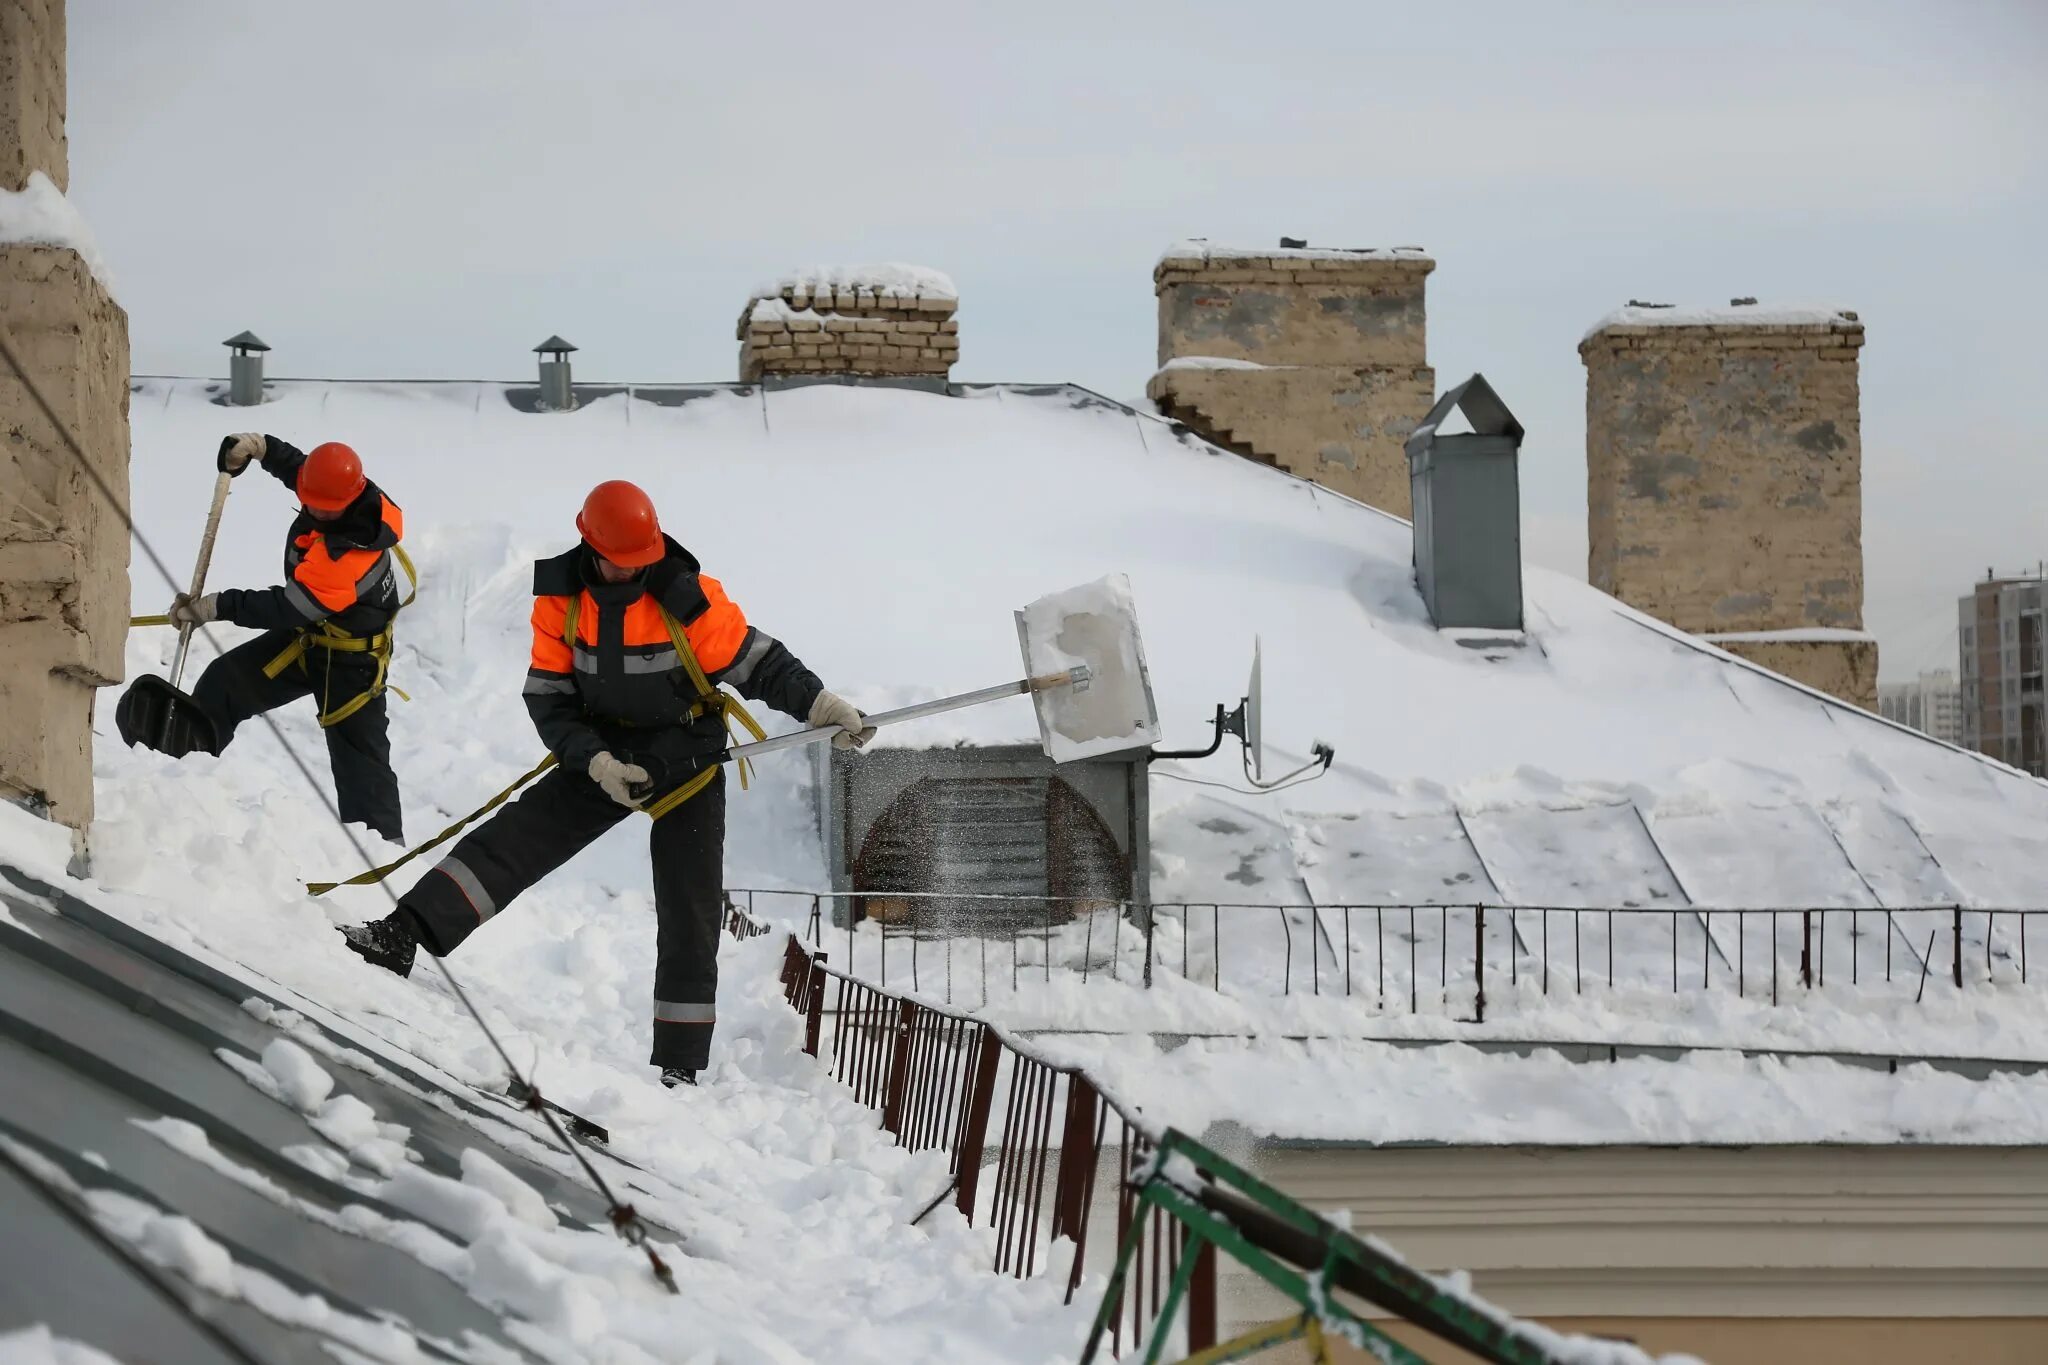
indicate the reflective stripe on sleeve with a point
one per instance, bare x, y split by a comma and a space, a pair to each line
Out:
674, 1012
302, 602
376, 578
750, 659
547, 685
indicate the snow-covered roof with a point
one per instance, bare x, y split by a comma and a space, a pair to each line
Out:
1730, 315
1349, 1090
1201, 249
303, 1160
887, 279
38, 214
887, 535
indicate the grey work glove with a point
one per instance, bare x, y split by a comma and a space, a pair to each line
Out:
854, 729
194, 611
236, 452
618, 779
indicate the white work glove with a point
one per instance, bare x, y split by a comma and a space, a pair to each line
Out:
618, 778
194, 611
854, 729
237, 451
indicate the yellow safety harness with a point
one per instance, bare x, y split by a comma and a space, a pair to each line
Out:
730, 708
332, 638
709, 698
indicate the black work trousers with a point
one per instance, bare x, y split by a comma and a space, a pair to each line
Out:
552, 821
233, 689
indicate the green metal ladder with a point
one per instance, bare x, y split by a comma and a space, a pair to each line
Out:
1305, 1258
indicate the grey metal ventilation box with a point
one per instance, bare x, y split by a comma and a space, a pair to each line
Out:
1050, 841
1468, 517
556, 393
245, 369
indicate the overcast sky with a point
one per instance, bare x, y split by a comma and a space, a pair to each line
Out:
427, 189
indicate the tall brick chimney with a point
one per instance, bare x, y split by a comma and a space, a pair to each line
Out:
1309, 359
1724, 481
63, 551
857, 320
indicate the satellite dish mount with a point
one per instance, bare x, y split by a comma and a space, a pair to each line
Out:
1246, 722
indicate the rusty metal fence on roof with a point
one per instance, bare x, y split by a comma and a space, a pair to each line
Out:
1458, 959
1027, 1140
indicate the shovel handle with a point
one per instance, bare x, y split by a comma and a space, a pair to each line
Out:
1023, 686
220, 501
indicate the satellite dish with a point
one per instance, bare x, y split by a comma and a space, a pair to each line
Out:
1253, 730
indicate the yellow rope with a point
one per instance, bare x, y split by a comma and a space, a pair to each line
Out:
378, 874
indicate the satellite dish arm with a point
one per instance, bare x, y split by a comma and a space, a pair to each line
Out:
1214, 744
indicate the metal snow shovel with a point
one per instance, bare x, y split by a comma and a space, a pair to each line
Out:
153, 712
1085, 674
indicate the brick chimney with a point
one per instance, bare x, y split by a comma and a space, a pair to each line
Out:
856, 320
1312, 359
1724, 481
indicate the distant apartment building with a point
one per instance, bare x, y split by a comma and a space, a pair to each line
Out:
1931, 704
2001, 640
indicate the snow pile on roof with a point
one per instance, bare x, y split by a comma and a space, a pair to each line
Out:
38, 214
1732, 315
1339, 1089
1580, 764
37, 1346
1607, 761
767, 1184
1202, 249
887, 280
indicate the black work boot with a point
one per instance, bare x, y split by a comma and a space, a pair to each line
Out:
673, 1076
389, 943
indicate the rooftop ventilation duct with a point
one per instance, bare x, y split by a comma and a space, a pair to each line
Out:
556, 393
245, 369
1468, 521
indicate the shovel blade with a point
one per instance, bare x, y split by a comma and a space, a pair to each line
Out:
158, 716
1093, 625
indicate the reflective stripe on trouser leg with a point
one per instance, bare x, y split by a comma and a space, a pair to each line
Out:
531, 836
687, 848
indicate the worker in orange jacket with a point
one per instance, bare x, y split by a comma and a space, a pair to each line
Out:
630, 645
326, 628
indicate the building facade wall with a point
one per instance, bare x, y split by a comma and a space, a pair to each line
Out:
2002, 635
1736, 1255
1724, 480
1315, 362
63, 550
1932, 704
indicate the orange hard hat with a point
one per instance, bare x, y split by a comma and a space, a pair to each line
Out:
331, 478
618, 522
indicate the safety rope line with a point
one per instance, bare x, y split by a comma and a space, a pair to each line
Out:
624, 1218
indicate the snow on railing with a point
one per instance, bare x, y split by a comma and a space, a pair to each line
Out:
935, 1077
1461, 961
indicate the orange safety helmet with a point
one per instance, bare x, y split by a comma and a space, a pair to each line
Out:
618, 522
331, 478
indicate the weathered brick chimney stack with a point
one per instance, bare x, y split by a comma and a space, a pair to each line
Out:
1724, 481
63, 550
1311, 359
870, 320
